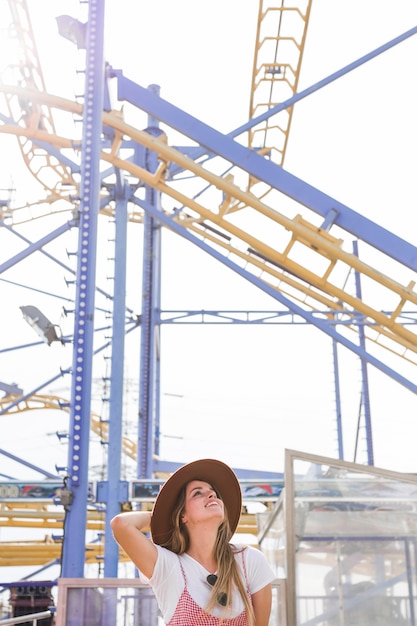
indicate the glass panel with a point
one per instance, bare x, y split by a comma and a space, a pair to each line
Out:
358, 582
355, 546
272, 531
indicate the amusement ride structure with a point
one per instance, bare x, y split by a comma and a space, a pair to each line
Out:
290, 240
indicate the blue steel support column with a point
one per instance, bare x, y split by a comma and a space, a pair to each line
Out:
151, 306
80, 409
364, 370
338, 402
111, 552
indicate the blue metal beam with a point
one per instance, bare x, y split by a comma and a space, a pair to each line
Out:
80, 407
149, 382
27, 464
54, 234
253, 317
286, 104
365, 386
114, 466
197, 152
35, 246
171, 466
339, 425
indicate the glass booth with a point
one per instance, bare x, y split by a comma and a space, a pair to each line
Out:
344, 536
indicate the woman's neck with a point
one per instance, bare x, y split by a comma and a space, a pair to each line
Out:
202, 550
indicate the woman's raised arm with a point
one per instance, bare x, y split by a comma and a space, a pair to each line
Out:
129, 532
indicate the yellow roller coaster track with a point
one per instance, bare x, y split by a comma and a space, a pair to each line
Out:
280, 39
38, 402
40, 515
55, 177
42, 552
318, 284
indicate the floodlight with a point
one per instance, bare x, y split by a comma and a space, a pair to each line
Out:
38, 321
72, 29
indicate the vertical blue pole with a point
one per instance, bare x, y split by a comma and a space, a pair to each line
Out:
75, 525
149, 357
364, 370
338, 403
111, 552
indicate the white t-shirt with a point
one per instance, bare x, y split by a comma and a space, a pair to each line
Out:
168, 580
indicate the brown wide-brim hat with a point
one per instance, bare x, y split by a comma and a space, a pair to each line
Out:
219, 475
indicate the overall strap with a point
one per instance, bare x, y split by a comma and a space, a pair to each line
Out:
245, 570
183, 572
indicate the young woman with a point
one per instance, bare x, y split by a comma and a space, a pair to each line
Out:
198, 576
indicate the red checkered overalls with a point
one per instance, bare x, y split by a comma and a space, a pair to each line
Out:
188, 613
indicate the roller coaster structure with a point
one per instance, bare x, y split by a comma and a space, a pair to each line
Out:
129, 175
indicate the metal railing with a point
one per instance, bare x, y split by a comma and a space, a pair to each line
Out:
30, 617
127, 602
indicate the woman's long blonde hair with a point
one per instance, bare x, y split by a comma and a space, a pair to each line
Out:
228, 573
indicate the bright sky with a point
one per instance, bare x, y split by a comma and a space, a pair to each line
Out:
242, 394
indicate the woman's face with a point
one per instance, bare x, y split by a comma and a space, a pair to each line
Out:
202, 504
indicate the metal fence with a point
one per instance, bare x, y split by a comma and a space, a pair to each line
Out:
126, 602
